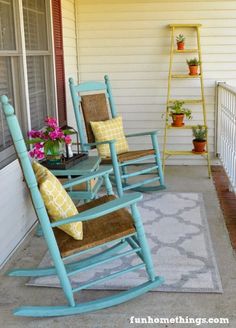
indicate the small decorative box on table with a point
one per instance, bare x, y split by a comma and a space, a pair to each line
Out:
65, 163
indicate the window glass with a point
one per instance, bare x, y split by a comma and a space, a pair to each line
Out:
7, 35
37, 90
35, 24
5, 89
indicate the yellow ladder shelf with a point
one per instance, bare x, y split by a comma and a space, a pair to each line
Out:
168, 152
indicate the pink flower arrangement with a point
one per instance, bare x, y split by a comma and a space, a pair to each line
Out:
48, 140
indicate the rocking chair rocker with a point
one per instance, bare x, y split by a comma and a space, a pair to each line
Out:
94, 108
106, 221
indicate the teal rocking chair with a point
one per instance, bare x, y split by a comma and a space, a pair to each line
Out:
94, 108
106, 221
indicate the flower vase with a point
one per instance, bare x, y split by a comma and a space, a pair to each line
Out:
54, 159
53, 154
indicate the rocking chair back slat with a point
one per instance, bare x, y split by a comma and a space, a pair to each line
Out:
87, 86
94, 109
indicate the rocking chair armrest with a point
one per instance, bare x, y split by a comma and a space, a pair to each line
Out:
141, 134
87, 177
98, 143
101, 210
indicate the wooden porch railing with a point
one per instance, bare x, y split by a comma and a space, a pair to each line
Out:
226, 129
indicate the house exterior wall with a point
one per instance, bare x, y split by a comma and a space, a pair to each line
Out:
130, 41
70, 51
17, 213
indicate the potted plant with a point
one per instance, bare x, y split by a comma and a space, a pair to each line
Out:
46, 142
178, 112
200, 136
193, 66
180, 42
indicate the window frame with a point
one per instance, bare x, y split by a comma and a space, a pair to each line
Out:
19, 76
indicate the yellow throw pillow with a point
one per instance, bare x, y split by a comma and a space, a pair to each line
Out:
58, 203
109, 130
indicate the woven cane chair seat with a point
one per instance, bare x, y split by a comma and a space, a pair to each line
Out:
96, 232
130, 155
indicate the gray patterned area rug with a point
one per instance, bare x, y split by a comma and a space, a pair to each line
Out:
178, 235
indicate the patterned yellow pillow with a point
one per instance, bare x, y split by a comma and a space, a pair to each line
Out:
58, 203
108, 130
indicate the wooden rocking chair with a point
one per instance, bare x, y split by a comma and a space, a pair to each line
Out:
106, 221
94, 108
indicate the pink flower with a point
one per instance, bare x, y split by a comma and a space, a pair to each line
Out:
34, 134
31, 153
38, 145
68, 140
45, 136
60, 133
51, 122
53, 135
56, 134
36, 153
40, 155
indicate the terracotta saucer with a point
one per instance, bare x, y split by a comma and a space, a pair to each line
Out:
172, 124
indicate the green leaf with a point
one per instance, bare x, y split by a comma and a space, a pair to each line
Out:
34, 141
68, 132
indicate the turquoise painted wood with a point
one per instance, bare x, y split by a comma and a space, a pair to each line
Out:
40, 272
91, 164
52, 311
122, 177
100, 210
115, 249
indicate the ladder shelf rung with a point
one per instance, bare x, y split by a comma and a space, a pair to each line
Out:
169, 126
185, 25
183, 152
176, 51
185, 76
187, 101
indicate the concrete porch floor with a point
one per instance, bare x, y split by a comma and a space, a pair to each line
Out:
155, 304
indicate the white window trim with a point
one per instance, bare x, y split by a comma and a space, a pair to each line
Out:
20, 86
51, 33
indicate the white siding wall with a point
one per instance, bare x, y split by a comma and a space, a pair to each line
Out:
129, 40
70, 51
17, 214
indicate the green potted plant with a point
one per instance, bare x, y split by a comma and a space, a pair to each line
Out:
193, 66
180, 41
178, 112
200, 137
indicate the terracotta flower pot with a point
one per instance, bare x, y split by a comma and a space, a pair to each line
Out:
177, 120
180, 45
199, 146
193, 70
